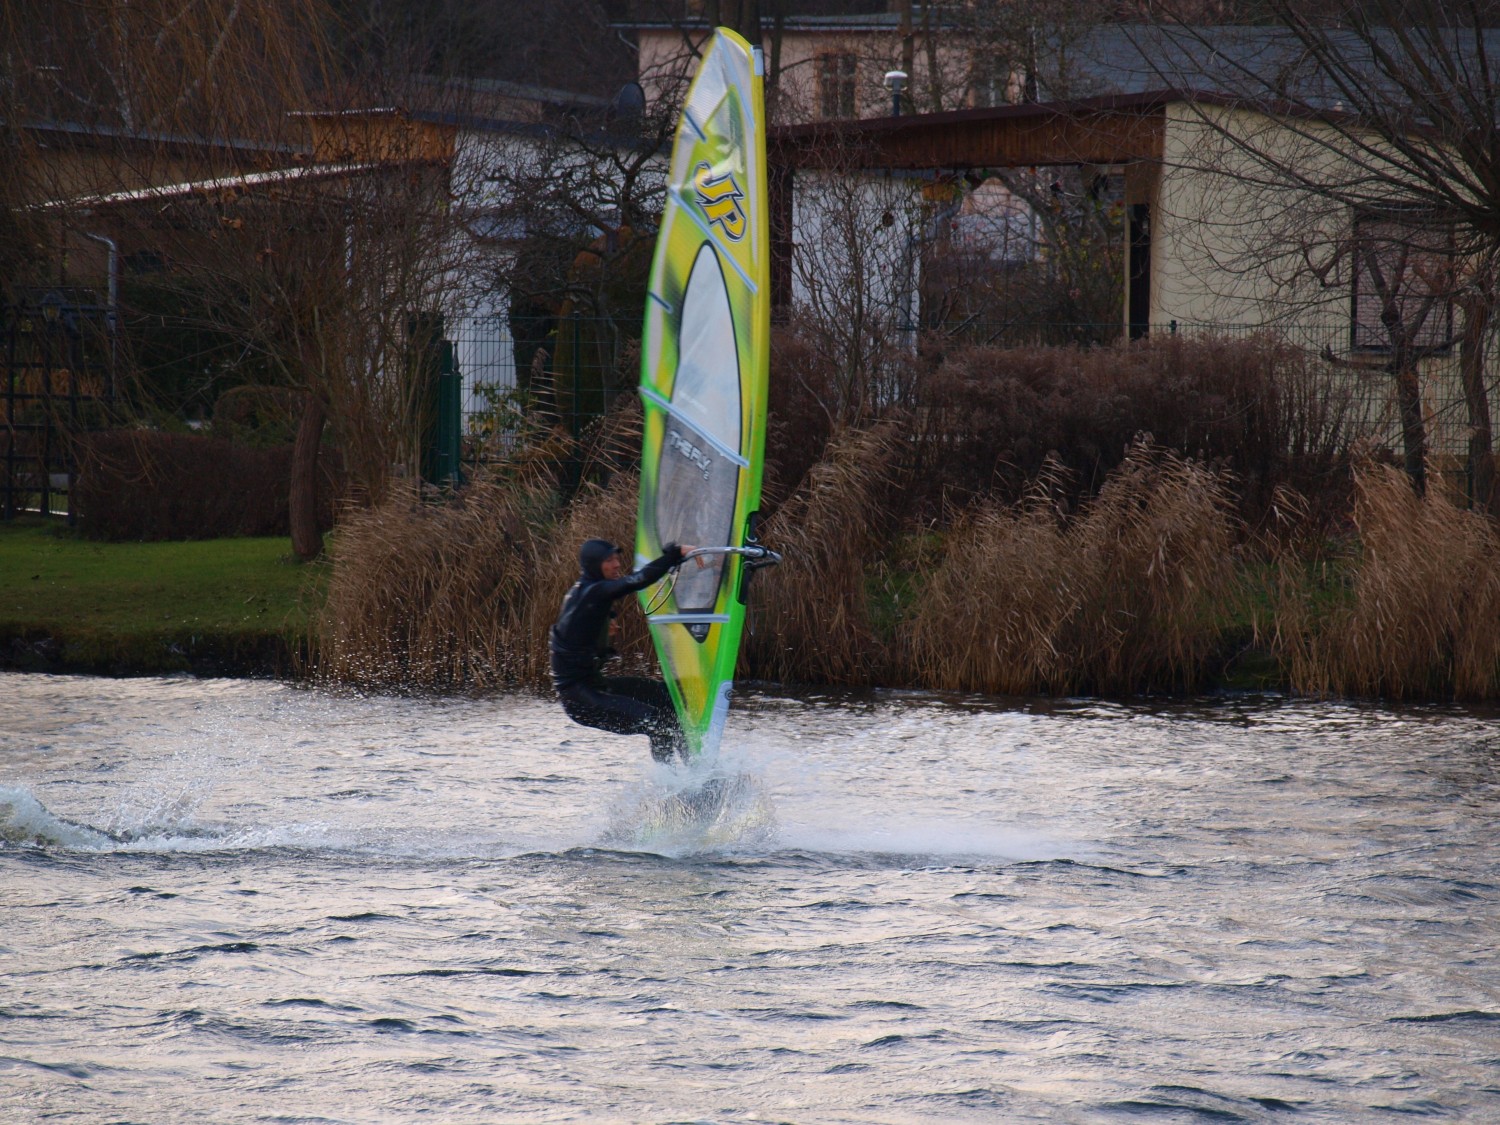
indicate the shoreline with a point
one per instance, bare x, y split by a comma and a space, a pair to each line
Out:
259, 655
251, 656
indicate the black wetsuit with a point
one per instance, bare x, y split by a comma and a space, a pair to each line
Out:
579, 644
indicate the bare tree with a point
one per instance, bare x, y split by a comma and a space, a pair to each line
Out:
563, 45
577, 204
1388, 107
856, 271
1037, 259
287, 214
1029, 53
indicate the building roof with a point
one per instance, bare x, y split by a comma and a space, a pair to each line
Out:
207, 188
1248, 61
1108, 129
843, 24
87, 131
1112, 129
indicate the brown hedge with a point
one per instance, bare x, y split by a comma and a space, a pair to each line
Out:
149, 485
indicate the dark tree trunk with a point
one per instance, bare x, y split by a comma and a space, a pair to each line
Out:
1413, 426
1481, 439
1403, 369
307, 538
748, 24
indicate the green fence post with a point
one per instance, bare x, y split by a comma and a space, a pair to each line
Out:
448, 437
440, 401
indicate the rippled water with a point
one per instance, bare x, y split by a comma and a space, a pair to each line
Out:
239, 901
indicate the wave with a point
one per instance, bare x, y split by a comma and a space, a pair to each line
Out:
694, 811
700, 813
26, 822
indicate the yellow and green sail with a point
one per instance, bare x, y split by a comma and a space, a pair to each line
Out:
704, 370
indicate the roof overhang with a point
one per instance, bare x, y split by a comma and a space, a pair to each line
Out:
1114, 129
215, 188
1118, 129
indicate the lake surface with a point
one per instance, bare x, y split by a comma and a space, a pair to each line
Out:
238, 901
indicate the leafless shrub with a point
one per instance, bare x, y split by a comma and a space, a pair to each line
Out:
992, 417
149, 485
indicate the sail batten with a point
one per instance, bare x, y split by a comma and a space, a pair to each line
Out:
704, 355
733, 454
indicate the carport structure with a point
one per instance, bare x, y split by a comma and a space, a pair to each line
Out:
1119, 131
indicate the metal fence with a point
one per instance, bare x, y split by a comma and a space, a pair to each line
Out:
59, 371
522, 376
566, 373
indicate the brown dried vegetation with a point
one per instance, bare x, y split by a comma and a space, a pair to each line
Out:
1144, 585
1131, 595
811, 617
1415, 608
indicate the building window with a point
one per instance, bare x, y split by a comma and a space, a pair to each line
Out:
1403, 281
836, 74
989, 80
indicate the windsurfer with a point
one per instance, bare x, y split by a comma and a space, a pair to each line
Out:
580, 646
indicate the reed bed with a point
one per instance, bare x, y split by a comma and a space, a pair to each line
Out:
436, 597
1414, 609
1139, 589
1132, 594
811, 618
426, 596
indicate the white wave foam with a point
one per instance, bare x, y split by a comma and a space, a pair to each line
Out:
936, 839
25, 821
707, 807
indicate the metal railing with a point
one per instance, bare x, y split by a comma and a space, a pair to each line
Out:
59, 379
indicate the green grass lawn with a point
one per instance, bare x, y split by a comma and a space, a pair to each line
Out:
209, 605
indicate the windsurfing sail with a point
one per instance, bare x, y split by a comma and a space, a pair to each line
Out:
704, 370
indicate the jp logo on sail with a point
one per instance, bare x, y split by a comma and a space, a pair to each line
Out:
720, 196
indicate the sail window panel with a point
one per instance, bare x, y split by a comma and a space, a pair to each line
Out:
706, 390
707, 92
697, 485
696, 489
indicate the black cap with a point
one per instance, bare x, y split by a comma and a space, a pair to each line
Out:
592, 554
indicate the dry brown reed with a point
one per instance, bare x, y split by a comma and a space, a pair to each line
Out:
426, 596
461, 594
1420, 615
1130, 595
810, 617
